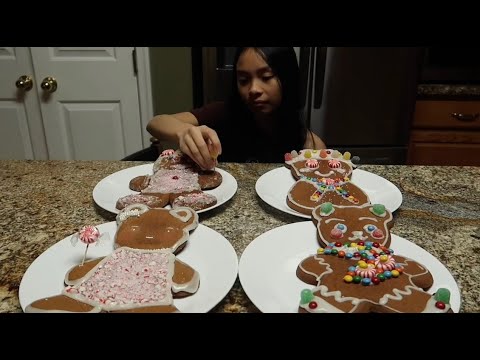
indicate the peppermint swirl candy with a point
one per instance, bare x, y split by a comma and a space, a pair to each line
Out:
88, 234
388, 264
368, 272
312, 163
334, 164
167, 152
329, 181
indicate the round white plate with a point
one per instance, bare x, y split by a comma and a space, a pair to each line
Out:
206, 251
273, 186
114, 186
267, 268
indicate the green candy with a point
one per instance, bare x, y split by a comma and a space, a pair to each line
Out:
306, 296
443, 295
378, 209
326, 208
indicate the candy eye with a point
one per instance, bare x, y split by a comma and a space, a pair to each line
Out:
341, 227
369, 228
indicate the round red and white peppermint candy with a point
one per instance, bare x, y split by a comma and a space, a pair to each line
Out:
312, 163
88, 234
167, 152
334, 164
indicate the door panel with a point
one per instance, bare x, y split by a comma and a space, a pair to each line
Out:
94, 113
76, 122
21, 135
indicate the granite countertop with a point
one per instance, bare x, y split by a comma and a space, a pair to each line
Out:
448, 91
46, 201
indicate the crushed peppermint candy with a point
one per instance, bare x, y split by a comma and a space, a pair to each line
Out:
128, 278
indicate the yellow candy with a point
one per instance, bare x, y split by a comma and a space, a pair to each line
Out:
348, 278
320, 251
383, 257
361, 247
353, 244
363, 265
347, 155
307, 154
395, 273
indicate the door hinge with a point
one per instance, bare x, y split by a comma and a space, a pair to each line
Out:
134, 60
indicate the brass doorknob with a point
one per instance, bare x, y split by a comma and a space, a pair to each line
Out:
49, 84
24, 82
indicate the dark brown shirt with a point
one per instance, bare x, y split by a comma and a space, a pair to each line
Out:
241, 140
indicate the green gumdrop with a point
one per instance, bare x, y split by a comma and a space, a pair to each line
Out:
443, 295
379, 209
306, 296
326, 208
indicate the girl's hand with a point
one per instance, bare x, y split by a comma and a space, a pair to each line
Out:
202, 144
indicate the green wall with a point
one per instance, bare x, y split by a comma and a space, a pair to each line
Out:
172, 90
171, 72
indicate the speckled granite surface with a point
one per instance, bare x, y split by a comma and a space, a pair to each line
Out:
448, 91
42, 202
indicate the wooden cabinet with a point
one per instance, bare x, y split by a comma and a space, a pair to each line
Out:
445, 133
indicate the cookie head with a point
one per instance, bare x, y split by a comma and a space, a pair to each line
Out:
140, 227
353, 224
326, 163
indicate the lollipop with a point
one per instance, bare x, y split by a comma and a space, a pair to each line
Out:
88, 234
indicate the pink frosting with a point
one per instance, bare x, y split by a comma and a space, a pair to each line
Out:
172, 181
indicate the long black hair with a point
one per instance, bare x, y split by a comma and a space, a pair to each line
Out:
291, 132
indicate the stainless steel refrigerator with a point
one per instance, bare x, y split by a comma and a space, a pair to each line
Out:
362, 99
357, 99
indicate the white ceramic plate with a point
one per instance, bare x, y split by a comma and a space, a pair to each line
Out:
273, 186
268, 265
114, 186
206, 251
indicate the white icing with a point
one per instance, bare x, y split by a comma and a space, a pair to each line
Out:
131, 210
332, 219
183, 218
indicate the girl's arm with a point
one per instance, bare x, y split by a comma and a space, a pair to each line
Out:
313, 141
201, 143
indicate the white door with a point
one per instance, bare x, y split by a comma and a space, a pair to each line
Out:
94, 111
21, 128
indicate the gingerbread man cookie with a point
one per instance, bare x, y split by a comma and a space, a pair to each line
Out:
174, 174
141, 275
322, 176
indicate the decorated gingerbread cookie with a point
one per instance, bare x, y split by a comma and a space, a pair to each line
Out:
367, 278
141, 275
352, 224
174, 174
322, 176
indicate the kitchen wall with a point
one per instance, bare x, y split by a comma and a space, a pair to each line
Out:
171, 72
